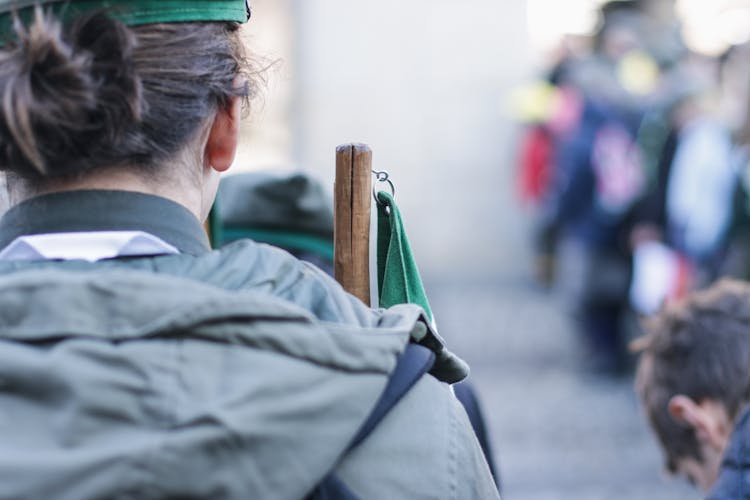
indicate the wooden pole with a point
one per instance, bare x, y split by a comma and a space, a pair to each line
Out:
352, 203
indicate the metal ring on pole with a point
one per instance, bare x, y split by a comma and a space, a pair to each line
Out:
382, 177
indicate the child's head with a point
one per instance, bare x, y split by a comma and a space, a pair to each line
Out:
693, 379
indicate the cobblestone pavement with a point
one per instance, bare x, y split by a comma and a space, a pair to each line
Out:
558, 432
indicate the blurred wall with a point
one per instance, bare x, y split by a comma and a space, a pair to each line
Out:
425, 83
267, 135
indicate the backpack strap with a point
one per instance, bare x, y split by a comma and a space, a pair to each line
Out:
414, 362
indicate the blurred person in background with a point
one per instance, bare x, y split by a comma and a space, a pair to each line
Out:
735, 107
598, 178
691, 215
548, 109
702, 179
694, 386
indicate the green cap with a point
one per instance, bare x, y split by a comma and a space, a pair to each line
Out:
134, 12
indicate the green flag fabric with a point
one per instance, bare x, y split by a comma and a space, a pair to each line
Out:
399, 281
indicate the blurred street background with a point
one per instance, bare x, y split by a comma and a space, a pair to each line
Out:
453, 98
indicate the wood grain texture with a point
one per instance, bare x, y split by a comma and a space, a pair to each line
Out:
352, 205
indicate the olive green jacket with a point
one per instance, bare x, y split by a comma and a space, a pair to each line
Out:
240, 373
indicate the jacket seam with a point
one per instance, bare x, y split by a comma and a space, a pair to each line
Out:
452, 456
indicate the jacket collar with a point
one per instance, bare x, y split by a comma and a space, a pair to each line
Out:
100, 210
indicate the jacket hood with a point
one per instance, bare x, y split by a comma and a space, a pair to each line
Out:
127, 381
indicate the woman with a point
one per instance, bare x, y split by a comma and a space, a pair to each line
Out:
134, 361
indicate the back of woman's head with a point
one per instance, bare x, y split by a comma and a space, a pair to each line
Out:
91, 92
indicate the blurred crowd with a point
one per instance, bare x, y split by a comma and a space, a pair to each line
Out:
635, 159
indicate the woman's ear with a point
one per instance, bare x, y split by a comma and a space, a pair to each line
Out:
223, 137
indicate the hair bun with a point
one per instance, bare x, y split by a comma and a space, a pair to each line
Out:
110, 45
56, 89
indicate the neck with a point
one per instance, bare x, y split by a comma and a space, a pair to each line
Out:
177, 190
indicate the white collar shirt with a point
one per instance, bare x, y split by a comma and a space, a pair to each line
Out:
90, 246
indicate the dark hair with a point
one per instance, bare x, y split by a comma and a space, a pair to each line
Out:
699, 348
92, 92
